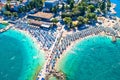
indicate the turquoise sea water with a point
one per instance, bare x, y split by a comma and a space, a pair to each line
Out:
19, 58
2, 26
95, 58
117, 9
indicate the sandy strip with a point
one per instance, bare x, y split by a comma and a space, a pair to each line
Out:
64, 54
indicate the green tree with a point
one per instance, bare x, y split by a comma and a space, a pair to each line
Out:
63, 6
82, 10
26, 9
80, 23
68, 21
103, 7
108, 4
55, 21
15, 14
86, 20
67, 7
84, 3
72, 4
29, 6
38, 4
68, 1
91, 8
63, 15
75, 9
32, 4
7, 13
20, 10
91, 16
80, 19
75, 13
7, 7
54, 9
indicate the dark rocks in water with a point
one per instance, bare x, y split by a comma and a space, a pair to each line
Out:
114, 39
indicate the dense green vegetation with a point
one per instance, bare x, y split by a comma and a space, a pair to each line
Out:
34, 4
85, 12
68, 21
54, 9
55, 21
9, 14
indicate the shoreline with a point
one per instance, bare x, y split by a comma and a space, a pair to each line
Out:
64, 60
68, 48
33, 69
35, 42
37, 46
66, 51
6, 28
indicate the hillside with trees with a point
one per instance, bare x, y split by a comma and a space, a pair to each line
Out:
85, 12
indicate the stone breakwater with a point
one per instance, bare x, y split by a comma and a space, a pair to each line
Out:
6, 28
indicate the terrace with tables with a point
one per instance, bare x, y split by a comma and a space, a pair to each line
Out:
40, 23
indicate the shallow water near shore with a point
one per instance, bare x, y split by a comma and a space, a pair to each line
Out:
117, 9
95, 58
19, 57
2, 26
